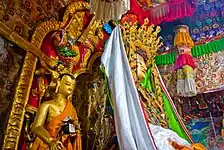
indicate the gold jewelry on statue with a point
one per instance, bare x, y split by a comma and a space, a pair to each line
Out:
57, 86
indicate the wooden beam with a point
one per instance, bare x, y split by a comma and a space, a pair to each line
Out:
13, 37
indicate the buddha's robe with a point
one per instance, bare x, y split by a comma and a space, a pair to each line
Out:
53, 128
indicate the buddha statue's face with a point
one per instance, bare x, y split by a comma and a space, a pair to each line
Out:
66, 85
138, 66
141, 68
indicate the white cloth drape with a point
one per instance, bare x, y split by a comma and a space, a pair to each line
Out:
186, 87
132, 130
131, 127
162, 137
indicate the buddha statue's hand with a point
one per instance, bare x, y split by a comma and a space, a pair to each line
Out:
55, 145
77, 126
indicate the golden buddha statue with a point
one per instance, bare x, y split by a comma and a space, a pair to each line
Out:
56, 123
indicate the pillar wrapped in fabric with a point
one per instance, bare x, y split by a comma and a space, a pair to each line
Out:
184, 65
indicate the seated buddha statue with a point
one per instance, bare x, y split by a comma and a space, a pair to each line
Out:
56, 124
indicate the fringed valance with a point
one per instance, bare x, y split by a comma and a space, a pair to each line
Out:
196, 51
168, 11
166, 59
211, 47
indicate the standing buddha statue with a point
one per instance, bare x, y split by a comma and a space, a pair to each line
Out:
56, 124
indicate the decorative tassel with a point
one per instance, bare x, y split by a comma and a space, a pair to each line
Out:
78, 141
69, 147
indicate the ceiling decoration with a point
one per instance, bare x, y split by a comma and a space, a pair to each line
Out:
207, 24
162, 10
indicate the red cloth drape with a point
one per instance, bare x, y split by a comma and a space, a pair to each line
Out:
184, 59
169, 11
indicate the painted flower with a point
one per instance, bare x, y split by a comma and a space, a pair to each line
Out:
218, 4
199, 23
208, 21
213, 76
209, 84
206, 66
222, 74
169, 37
207, 7
211, 32
222, 14
215, 26
199, 84
213, 13
205, 28
202, 16
196, 31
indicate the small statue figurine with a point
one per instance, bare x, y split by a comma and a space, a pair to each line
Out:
56, 123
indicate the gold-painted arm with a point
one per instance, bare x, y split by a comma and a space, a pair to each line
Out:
38, 126
86, 32
77, 126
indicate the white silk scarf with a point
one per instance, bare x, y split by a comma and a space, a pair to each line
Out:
131, 127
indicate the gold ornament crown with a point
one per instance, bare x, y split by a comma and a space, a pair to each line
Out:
142, 40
